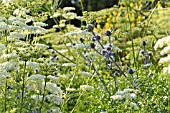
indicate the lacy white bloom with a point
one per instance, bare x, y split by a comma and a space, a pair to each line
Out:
8, 66
21, 43
56, 110
54, 78
133, 96
36, 77
79, 46
68, 8
55, 99
52, 87
2, 79
6, 2
20, 12
165, 60
86, 87
3, 26
37, 97
166, 69
129, 90
70, 15
120, 93
117, 97
70, 89
63, 50
162, 42
41, 31
19, 23
41, 46
56, 14
85, 74
35, 85
16, 35
40, 24
104, 112
9, 56
68, 64
133, 105
33, 65
166, 50
2, 47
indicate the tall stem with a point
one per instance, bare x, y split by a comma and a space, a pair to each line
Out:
23, 87
42, 102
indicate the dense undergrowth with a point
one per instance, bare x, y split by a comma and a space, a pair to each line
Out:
116, 63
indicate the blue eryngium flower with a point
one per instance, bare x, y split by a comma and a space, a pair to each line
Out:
108, 33
130, 71
144, 43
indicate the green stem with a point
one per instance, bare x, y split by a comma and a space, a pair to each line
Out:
133, 50
42, 102
77, 102
23, 87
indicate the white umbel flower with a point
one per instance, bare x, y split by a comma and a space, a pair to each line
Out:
2, 79
68, 8
33, 65
53, 88
54, 78
133, 105
129, 90
3, 26
16, 36
166, 50
162, 42
40, 24
86, 88
117, 97
40, 46
9, 56
2, 47
70, 89
36, 77
55, 99
165, 60
166, 69
68, 64
37, 97
8, 66
85, 73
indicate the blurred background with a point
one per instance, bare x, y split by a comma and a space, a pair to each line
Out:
89, 5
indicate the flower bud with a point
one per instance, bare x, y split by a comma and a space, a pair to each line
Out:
98, 37
93, 38
150, 53
81, 40
130, 71
144, 43
104, 51
108, 33
142, 52
90, 27
92, 45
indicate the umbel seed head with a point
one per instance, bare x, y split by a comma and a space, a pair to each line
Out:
130, 71
90, 27
92, 45
108, 33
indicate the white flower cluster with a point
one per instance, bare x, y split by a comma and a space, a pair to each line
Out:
125, 94
86, 88
85, 73
164, 42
